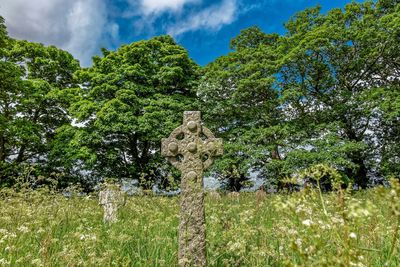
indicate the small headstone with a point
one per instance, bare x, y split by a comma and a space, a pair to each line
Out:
214, 195
191, 148
260, 195
111, 197
234, 195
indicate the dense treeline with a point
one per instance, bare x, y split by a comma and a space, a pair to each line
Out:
326, 92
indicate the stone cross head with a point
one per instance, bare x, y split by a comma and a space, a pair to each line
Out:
191, 145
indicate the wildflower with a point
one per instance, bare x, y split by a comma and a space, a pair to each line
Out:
234, 246
292, 232
37, 262
262, 253
358, 264
353, 235
23, 229
12, 235
310, 249
4, 262
307, 222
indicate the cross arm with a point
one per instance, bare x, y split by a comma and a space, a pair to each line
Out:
211, 148
171, 147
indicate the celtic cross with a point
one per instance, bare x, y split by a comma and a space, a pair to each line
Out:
191, 148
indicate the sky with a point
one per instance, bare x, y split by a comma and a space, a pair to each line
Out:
203, 27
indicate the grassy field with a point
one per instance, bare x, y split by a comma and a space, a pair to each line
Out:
38, 228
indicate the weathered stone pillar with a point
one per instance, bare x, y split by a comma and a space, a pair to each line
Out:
191, 148
110, 197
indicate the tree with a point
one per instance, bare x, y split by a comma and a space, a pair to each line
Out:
10, 84
130, 99
389, 127
3, 33
334, 77
34, 77
326, 92
238, 97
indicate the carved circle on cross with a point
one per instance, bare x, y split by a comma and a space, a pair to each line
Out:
173, 147
192, 175
192, 126
192, 147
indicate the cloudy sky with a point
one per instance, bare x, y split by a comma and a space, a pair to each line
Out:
203, 27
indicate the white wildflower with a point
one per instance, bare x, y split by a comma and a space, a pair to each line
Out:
23, 229
4, 262
36, 262
3, 231
292, 232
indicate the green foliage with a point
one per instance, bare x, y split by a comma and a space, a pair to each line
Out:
325, 93
252, 37
3, 34
130, 99
238, 98
334, 76
326, 177
32, 79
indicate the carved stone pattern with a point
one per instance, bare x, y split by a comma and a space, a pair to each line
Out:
192, 154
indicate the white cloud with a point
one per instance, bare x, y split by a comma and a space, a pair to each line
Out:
78, 26
151, 9
159, 6
211, 18
83, 26
181, 20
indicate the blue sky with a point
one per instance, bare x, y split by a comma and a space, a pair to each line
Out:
203, 27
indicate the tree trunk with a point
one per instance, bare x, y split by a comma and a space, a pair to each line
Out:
360, 175
275, 153
21, 152
144, 155
2, 149
133, 150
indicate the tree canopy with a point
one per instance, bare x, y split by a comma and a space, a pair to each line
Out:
129, 100
325, 92
315, 95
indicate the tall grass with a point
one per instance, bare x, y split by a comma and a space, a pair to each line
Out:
40, 228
